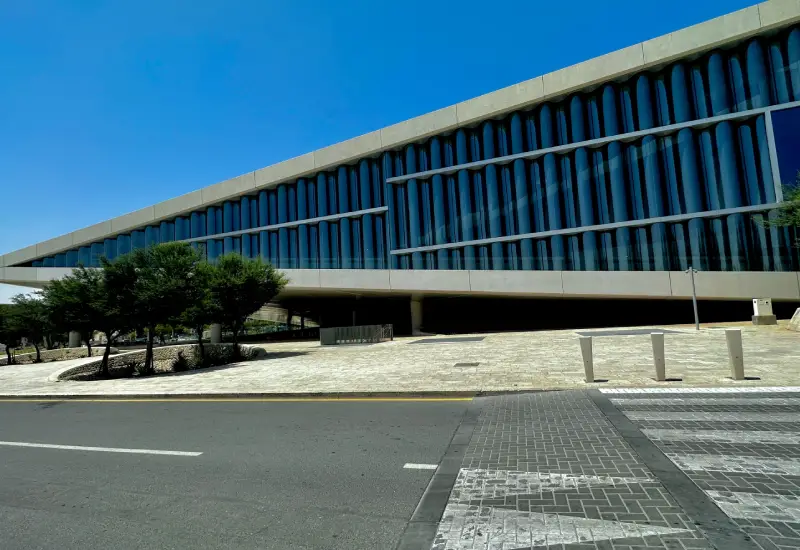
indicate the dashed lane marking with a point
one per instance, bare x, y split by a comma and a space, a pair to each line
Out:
413, 466
98, 449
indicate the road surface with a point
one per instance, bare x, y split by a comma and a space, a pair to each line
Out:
283, 475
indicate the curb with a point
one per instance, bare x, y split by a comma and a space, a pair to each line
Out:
233, 396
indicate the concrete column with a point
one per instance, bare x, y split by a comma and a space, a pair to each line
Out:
302, 322
74, 339
216, 333
733, 337
658, 355
588, 362
416, 316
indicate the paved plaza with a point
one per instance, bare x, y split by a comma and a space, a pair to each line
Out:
629, 469
701, 463
514, 361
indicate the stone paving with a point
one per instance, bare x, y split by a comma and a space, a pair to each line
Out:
553, 470
548, 470
746, 462
490, 362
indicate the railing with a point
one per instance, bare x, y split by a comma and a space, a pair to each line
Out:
365, 334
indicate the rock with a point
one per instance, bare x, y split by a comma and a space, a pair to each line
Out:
794, 324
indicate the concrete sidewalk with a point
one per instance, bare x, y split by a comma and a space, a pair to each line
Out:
467, 363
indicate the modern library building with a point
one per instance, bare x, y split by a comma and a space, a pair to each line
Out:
584, 196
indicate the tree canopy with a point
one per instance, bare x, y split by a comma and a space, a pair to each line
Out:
9, 335
240, 287
29, 318
789, 211
155, 288
77, 302
162, 290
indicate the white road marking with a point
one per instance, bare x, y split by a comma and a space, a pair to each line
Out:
477, 484
713, 416
412, 466
745, 389
707, 401
736, 464
756, 506
725, 436
466, 527
98, 449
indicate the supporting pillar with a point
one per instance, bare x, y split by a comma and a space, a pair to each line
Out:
416, 315
302, 322
216, 333
74, 339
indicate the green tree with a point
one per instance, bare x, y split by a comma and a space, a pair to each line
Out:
789, 211
162, 287
29, 318
202, 309
117, 302
239, 287
9, 336
77, 302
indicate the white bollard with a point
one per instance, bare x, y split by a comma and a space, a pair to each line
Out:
586, 352
733, 336
658, 355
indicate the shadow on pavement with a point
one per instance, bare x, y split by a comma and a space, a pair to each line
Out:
267, 357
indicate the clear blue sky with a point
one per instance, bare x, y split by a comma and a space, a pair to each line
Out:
110, 106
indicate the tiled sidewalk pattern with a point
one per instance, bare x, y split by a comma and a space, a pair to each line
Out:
548, 470
746, 459
498, 362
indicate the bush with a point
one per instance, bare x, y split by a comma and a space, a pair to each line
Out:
140, 368
181, 364
216, 356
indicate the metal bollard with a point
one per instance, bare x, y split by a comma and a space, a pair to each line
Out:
658, 355
586, 352
733, 337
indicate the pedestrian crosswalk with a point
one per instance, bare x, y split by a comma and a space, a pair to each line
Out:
742, 448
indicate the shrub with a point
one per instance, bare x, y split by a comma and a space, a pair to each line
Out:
216, 356
140, 368
181, 363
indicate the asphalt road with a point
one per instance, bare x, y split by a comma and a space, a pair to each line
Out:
287, 475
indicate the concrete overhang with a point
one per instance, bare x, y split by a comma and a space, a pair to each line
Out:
780, 286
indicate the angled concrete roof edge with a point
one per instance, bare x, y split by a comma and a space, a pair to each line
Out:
650, 53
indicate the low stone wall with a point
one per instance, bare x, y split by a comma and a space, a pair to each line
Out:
63, 354
163, 359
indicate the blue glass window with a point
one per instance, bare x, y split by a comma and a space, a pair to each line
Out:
786, 124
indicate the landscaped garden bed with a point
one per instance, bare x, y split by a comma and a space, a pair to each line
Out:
168, 359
